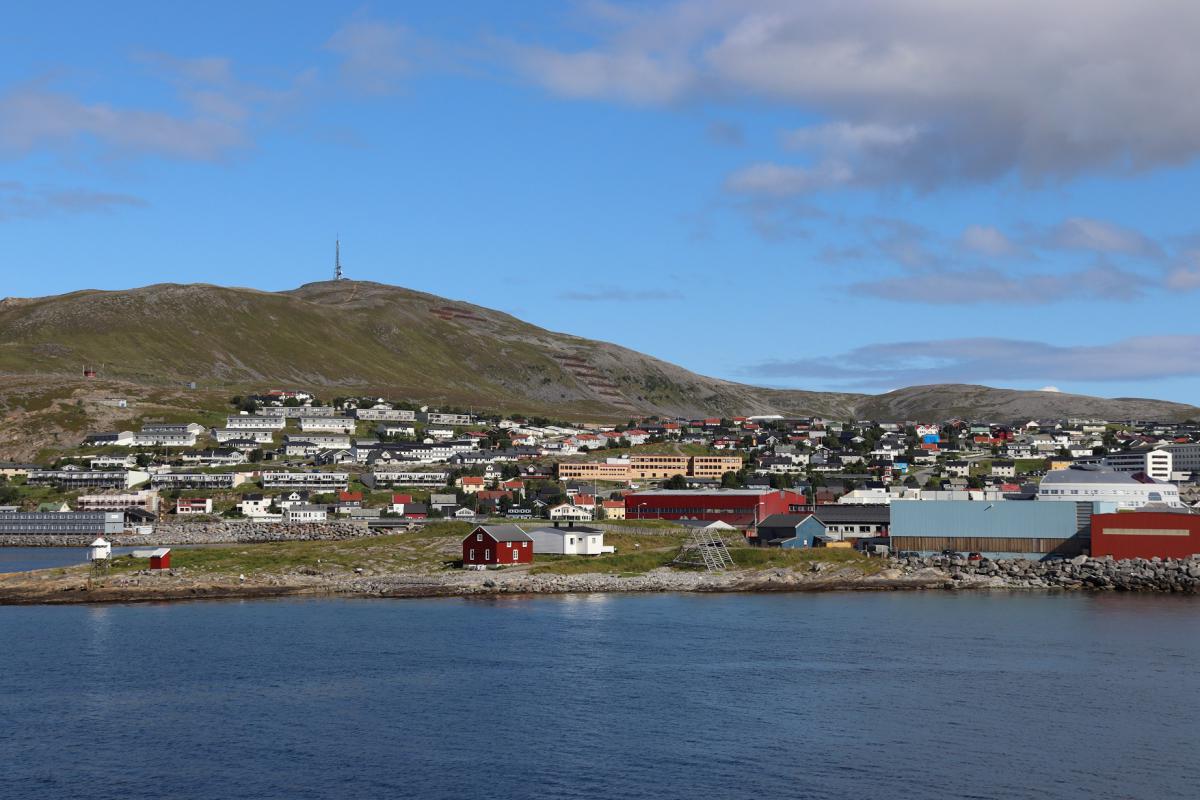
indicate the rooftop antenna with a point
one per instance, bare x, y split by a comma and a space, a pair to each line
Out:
337, 260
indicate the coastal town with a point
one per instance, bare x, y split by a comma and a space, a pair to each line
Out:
284, 465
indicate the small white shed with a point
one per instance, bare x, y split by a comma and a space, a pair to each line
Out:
570, 540
100, 550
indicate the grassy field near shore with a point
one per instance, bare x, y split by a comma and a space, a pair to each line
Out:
432, 548
436, 548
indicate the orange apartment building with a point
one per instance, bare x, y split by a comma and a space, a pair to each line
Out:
650, 467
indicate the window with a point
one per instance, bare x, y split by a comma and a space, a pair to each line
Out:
470, 555
516, 555
487, 555
479, 537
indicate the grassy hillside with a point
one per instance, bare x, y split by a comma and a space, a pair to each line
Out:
361, 337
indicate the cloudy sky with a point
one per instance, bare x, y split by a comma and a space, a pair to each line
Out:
826, 195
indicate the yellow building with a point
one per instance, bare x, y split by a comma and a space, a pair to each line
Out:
650, 467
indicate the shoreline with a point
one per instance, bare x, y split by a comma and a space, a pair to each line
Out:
60, 587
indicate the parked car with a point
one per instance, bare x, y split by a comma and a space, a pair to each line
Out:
974, 557
908, 554
951, 554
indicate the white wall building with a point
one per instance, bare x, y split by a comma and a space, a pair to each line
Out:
570, 541
305, 514
1124, 490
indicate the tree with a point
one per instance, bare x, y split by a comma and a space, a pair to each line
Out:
680, 482
731, 480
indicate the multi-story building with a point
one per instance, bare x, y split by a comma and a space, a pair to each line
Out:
256, 435
253, 422
733, 506
163, 439
327, 481
197, 480
1113, 490
388, 477
194, 505
65, 523
1185, 458
713, 466
323, 441
327, 425
88, 479
295, 412
650, 467
386, 414
194, 428
445, 418
144, 500
1158, 464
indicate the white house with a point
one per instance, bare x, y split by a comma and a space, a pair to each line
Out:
570, 541
254, 505
570, 512
304, 514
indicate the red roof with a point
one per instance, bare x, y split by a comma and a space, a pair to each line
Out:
402, 498
472, 480
348, 497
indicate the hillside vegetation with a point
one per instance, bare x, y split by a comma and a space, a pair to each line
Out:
359, 337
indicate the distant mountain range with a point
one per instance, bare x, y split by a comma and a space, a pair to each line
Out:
347, 337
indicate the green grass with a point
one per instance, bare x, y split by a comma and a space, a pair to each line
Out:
776, 557
620, 564
434, 547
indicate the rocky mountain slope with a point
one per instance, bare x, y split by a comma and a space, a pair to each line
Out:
351, 336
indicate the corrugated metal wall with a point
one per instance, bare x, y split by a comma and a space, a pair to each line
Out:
981, 519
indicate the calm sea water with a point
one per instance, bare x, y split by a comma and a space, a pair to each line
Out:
897, 695
23, 559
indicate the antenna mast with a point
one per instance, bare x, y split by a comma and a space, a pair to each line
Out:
337, 260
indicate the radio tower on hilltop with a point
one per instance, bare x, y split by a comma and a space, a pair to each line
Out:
337, 260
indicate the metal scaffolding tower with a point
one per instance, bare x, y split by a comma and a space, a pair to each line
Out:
704, 548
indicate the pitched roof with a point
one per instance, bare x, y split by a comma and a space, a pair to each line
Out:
502, 533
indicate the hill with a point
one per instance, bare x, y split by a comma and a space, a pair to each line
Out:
354, 336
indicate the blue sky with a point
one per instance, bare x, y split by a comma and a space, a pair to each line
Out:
852, 196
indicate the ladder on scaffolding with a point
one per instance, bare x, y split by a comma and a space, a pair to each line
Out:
704, 548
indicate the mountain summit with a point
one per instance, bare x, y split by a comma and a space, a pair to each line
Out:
347, 336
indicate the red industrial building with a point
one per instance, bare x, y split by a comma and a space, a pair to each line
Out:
1145, 534
741, 507
496, 544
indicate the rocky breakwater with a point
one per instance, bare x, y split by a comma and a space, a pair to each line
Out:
1081, 572
233, 531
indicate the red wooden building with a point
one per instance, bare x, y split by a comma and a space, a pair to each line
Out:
496, 544
1145, 534
744, 507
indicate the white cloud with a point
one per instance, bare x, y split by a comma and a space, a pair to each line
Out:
1053, 389
376, 55
21, 200
987, 240
982, 360
919, 92
1098, 236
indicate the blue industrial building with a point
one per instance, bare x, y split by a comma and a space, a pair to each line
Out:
1016, 527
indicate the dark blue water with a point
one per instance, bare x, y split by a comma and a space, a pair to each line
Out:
23, 559
898, 695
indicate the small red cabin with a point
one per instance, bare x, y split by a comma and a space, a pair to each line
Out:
490, 545
160, 557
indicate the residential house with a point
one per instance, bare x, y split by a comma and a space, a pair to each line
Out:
305, 514
193, 505
490, 545
571, 540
